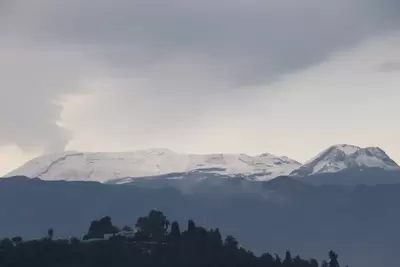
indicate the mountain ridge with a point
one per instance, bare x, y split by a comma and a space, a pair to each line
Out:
124, 167
103, 166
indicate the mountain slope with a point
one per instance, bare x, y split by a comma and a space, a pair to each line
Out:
360, 223
354, 177
152, 162
343, 157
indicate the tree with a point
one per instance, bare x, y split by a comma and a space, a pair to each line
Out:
333, 259
196, 246
191, 226
268, 259
153, 227
16, 239
231, 243
297, 261
313, 263
215, 238
288, 259
50, 234
99, 228
175, 233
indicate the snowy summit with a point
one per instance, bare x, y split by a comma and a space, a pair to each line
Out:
341, 157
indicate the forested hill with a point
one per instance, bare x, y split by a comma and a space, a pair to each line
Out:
154, 242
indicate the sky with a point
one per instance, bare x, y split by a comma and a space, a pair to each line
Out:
240, 76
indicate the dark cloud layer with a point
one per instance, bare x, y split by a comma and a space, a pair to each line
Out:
189, 48
251, 41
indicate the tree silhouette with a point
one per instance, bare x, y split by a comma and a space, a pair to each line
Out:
99, 228
174, 235
153, 227
197, 246
215, 238
288, 259
231, 243
16, 239
333, 259
313, 263
191, 226
50, 234
268, 259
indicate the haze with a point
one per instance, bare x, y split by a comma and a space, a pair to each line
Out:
285, 77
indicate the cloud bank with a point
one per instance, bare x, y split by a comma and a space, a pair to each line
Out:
162, 70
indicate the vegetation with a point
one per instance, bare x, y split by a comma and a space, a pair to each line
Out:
155, 242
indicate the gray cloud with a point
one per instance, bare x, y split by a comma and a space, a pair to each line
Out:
186, 53
251, 42
392, 66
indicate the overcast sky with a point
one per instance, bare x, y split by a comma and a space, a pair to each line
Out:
289, 77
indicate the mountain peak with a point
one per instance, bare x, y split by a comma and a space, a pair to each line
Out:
345, 148
339, 157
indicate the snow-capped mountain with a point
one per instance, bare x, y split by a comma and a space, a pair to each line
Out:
103, 167
341, 157
123, 167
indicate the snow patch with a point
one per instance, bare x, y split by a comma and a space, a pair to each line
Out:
123, 166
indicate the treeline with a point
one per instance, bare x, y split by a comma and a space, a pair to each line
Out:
153, 242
